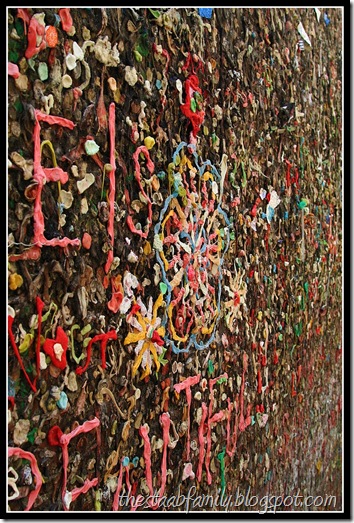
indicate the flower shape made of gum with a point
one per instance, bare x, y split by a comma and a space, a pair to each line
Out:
191, 239
148, 334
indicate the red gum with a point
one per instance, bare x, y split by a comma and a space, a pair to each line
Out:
12, 70
201, 441
119, 488
66, 20
34, 29
127, 480
18, 355
48, 348
117, 298
89, 483
23, 14
212, 419
33, 253
103, 338
255, 206
77, 94
112, 185
151, 167
259, 382
293, 391
147, 458
164, 53
49, 118
41, 176
16, 451
299, 371
233, 442
115, 506
40, 306
101, 110
186, 385
242, 424
165, 421
197, 118
64, 441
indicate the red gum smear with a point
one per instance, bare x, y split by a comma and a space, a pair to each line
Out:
255, 206
117, 298
139, 498
35, 29
147, 458
151, 167
201, 441
66, 20
165, 422
112, 185
64, 441
275, 357
186, 385
54, 435
136, 307
259, 382
41, 175
130, 489
115, 505
25, 16
18, 355
299, 371
242, 423
101, 111
40, 306
233, 442
212, 420
49, 118
86, 241
89, 483
48, 348
103, 338
33, 253
197, 118
189, 64
293, 391
12, 70
16, 451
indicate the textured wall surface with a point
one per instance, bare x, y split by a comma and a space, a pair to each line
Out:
174, 259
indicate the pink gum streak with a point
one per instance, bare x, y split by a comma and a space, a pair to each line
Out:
165, 421
201, 441
65, 439
112, 184
186, 385
212, 420
147, 458
119, 488
41, 176
16, 451
232, 441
